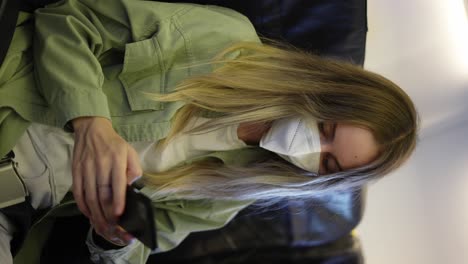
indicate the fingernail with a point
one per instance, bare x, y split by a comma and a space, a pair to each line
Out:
117, 240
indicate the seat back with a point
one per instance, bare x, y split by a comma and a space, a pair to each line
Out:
333, 28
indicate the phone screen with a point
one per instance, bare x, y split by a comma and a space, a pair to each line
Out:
138, 218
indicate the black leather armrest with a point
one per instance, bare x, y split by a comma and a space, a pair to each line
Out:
9, 10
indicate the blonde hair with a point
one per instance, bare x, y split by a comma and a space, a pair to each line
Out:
265, 83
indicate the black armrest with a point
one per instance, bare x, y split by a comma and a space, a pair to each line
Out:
9, 10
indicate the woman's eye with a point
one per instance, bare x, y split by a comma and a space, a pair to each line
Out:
325, 164
330, 165
321, 128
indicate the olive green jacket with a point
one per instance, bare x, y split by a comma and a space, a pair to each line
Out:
94, 58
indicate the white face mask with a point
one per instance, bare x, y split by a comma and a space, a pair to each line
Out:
296, 140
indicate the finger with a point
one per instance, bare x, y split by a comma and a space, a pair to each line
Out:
118, 241
119, 185
108, 234
127, 237
77, 185
78, 192
91, 198
105, 201
134, 170
116, 236
104, 190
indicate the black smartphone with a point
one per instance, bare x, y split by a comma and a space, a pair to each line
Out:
138, 218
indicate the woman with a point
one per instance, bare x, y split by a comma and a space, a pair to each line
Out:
135, 84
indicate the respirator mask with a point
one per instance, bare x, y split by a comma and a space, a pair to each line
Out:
296, 140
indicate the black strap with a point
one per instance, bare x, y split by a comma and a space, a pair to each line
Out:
7, 158
21, 215
9, 10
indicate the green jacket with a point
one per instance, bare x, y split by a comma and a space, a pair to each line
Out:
93, 58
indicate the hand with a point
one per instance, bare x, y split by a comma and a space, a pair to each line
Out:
103, 165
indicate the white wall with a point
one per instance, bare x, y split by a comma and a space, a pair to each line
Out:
419, 214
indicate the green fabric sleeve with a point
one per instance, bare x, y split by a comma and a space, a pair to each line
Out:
74, 38
176, 219
69, 40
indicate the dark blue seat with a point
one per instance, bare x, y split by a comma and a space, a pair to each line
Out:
328, 27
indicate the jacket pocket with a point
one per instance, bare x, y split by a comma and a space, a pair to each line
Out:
143, 71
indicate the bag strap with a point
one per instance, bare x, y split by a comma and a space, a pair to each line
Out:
21, 215
9, 10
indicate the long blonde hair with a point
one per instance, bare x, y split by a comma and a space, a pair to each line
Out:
265, 83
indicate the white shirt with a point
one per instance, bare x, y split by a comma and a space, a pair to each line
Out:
187, 146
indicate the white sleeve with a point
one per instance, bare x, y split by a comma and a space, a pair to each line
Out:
6, 231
